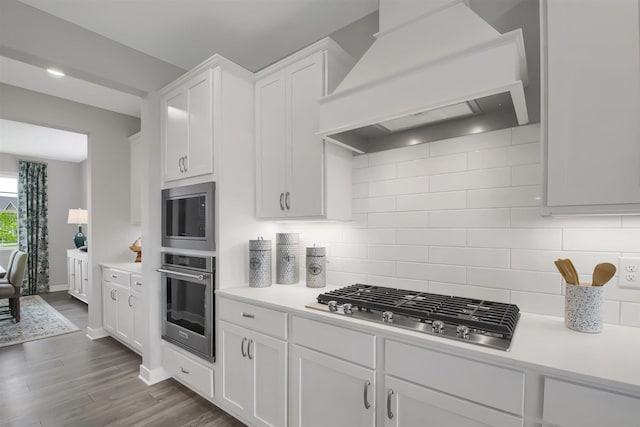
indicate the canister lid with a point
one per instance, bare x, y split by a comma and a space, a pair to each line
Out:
260, 244
316, 251
287, 238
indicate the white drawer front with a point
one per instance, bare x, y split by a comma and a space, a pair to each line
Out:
116, 276
199, 377
136, 282
570, 405
487, 384
259, 319
356, 347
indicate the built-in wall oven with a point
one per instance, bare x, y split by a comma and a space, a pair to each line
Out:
188, 284
188, 217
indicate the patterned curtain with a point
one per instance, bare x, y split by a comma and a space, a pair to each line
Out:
33, 233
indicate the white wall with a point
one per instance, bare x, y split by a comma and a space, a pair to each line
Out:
110, 232
462, 217
65, 192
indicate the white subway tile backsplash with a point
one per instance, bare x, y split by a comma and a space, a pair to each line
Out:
398, 253
516, 280
630, 314
429, 201
432, 237
469, 218
354, 235
374, 204
368, 266
533, 302
614, 240
524, 134
480, 257
431, 272
399, 220
341, 278
611, 312
484, 178
394, 187
526, 175
381, 236
477, 292
504, 197
375, 173
478, 141
536, 260
398, 282
360, 190
433, 166
348, 250
531, 217
508, 156
523, 238
360, 161
397, 155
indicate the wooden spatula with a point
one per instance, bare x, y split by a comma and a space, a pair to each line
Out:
603, 273
574, 272
562, 269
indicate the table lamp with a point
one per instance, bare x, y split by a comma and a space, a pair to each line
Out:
78, 216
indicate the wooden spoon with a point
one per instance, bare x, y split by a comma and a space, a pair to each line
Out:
603, 273
574, 273
562, 269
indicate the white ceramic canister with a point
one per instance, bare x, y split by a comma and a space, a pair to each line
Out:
316, 267
287, 258
259, 263
584, 308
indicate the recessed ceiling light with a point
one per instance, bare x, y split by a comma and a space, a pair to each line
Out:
55, 72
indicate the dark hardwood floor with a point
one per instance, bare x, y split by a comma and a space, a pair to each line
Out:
69, 380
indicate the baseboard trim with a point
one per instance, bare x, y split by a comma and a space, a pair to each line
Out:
152, 376
58, 288
96, 333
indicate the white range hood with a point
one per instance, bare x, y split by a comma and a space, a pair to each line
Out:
432, 61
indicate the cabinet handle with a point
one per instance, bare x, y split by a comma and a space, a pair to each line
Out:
184, 371
137, 283
114, 276
180, 164
389, 396
129, 301
367, 384
249, 350
184, 164
244, 353
286, 201
248, 315
281, 201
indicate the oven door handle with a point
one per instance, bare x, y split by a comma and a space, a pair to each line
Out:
199, 277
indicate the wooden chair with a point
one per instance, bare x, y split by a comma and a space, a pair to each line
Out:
11, 284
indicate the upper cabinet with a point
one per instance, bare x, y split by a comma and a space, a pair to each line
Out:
298, 174
591, 106
187, 127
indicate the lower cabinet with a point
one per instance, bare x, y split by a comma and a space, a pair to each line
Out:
78, 274
328, 391
254, 375
184, 367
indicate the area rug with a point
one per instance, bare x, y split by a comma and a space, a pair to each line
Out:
37, 320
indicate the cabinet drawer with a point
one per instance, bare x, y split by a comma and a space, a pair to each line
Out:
356, 347
136, 282
116, 276
569, 405
479, 382
259, 319
192, 373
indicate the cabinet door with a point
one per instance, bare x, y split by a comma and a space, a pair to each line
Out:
71, 273
269, 358
305, 182
109, 308
410, 405
271, 137
84, 270
174, 110
124, 313
139, 326
330, 391
78, 282
199, 158
236, 369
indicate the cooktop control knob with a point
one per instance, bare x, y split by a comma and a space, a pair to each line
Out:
462, 332
347, 308
333, 306
387, 317
437, 326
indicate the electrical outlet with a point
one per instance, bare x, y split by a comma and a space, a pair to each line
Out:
629, 276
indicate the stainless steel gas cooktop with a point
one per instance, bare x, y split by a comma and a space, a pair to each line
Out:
486, 323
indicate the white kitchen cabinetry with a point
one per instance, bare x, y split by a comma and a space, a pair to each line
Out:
78, 274
298, 174
187, 127
590, 106
123, 307
188, 369
135, 176
254, 365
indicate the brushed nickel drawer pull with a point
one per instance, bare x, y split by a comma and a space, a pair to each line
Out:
247, 315
184, 371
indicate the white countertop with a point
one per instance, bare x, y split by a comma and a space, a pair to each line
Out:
131, 267
542, 343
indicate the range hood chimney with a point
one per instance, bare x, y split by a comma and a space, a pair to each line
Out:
436, 70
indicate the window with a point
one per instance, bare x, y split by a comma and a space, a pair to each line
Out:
8, 211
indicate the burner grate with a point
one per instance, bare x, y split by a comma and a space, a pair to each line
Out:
489, 316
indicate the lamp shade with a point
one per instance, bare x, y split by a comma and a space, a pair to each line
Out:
78, 216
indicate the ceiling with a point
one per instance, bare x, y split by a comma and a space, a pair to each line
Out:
252, 33
22, 139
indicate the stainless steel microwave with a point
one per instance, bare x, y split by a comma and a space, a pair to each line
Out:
188, 217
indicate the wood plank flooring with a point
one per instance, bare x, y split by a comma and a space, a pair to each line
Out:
69, 380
